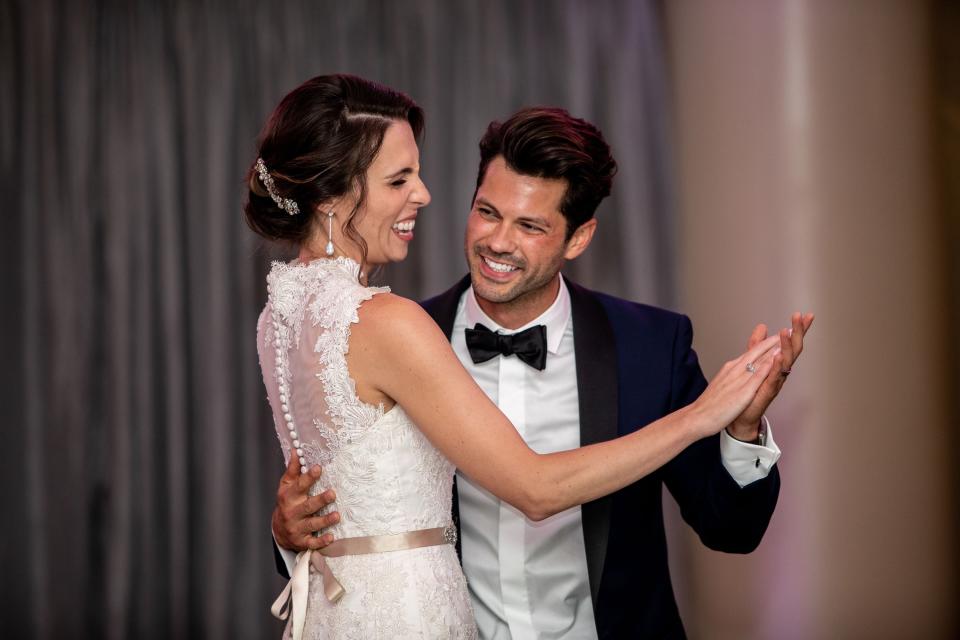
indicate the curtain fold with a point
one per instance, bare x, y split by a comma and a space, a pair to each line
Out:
140, 461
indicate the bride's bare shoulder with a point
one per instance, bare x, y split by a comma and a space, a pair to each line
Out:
388, 311
386, 303
392, 320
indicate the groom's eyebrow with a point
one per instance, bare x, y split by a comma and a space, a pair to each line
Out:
535, 219
486, 203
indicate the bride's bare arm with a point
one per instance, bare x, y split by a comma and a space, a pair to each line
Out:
397, 352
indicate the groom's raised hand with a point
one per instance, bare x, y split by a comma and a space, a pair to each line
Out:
747, 424
293, 520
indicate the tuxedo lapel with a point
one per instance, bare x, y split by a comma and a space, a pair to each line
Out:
596, 355
443, 308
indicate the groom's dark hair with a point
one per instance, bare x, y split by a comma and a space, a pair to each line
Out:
547, 142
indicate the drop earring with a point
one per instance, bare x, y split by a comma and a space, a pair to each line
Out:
330, 233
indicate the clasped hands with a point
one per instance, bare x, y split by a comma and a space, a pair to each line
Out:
743, 389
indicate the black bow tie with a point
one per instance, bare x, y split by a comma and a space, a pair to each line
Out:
530, 345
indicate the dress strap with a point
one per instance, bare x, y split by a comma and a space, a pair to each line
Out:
294, 595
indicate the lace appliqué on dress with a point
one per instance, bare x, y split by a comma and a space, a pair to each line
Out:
330, 291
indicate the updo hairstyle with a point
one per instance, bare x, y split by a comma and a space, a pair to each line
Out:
317, 145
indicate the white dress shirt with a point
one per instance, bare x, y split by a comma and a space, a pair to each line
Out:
529, 579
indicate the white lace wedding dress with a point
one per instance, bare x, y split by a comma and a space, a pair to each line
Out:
387, 476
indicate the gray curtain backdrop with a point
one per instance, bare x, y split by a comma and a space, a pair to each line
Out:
139, 460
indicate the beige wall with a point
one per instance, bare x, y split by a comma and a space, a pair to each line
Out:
806, 183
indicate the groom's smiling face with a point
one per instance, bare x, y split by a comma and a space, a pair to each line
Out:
516, 239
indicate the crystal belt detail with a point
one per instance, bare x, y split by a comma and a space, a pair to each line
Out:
294, 595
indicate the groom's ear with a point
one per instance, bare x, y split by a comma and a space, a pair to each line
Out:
580, 239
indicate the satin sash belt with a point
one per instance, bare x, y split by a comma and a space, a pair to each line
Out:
294, 595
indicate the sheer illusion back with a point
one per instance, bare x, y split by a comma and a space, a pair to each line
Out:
387, 476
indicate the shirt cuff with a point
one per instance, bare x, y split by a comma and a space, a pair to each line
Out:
747, 462
289, 557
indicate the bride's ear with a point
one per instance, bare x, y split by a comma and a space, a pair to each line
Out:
321, 210
341, 206
321, 213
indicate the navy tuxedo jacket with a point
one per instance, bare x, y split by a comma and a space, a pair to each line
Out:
635, 364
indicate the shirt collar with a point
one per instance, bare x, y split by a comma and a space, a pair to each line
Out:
555, 318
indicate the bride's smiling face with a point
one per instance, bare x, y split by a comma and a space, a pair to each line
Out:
395, 193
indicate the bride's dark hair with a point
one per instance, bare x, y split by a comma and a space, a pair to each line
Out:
317, 145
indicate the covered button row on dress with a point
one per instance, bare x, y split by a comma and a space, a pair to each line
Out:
284, 390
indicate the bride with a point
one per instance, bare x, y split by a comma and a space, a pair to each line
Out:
363, 382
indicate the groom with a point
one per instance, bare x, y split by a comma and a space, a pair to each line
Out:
606, 367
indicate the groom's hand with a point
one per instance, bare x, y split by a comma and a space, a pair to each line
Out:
747, 424
293, 521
